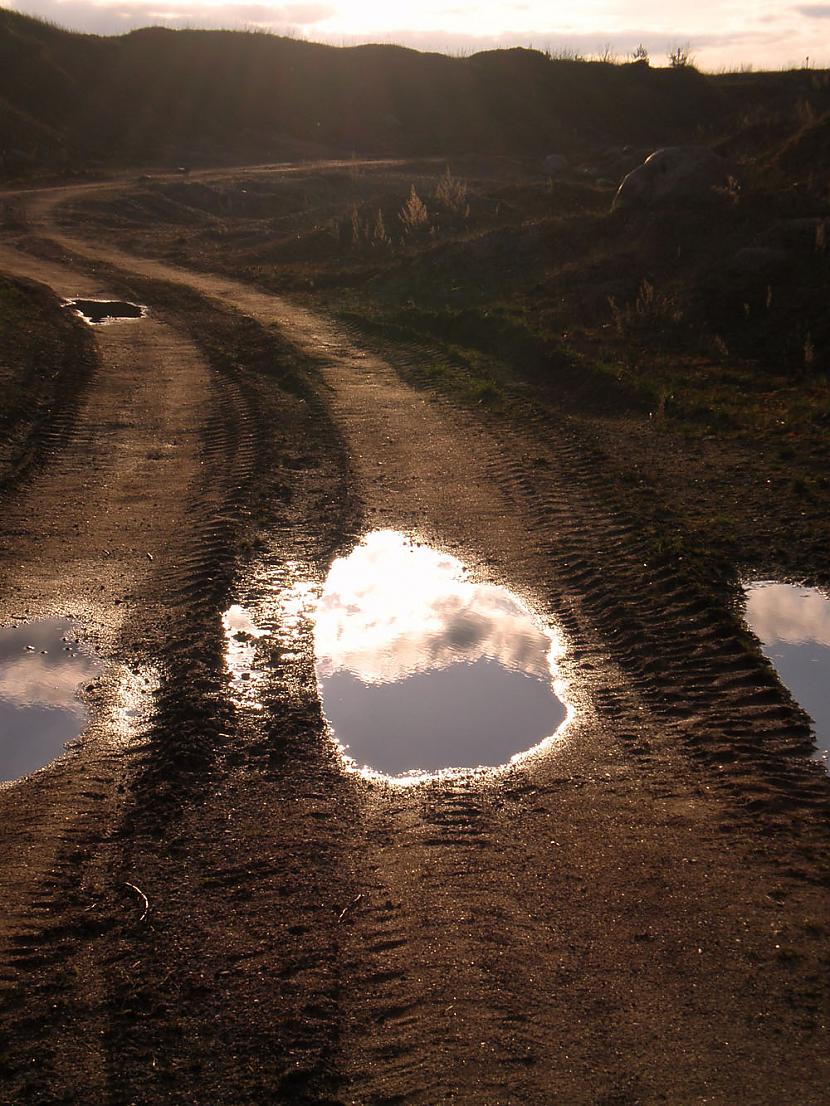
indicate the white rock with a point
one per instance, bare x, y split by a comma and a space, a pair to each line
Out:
674, 173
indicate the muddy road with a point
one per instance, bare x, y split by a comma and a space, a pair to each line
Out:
202, 905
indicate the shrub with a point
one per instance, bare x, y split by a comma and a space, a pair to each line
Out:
681, 57
379, 235
640, 54
413, 215
452, 194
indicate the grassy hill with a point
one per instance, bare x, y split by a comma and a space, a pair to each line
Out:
157, 96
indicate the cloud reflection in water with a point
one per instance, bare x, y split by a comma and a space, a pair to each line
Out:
793, 625
41, 669
422, 669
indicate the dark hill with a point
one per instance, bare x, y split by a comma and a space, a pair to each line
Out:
156, 96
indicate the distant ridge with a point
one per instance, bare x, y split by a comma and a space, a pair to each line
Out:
71, 102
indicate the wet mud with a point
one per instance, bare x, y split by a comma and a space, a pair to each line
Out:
104, 311
635, 915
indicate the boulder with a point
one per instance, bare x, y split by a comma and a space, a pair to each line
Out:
674, 173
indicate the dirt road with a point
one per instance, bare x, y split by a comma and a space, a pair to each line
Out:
637, 916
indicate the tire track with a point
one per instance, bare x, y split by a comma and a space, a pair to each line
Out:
485, 918
84, 534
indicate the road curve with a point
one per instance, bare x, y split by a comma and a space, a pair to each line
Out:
601, 925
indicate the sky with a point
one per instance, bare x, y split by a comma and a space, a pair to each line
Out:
721, 34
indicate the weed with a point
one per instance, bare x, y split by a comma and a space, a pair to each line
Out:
413, 215
607, 55
650, 307
452, 194
617, 315
379, 235
640, 54
359, 231
483, 391
681, 57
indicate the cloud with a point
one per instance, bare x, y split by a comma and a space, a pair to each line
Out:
105, 18
301, 15
751, 39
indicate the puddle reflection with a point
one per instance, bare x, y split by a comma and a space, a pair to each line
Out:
421, 669
241, 636
102, 311
793, 625
41, 668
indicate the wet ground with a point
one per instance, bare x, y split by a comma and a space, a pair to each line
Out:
219, 911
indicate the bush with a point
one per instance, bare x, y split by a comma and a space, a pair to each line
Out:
413, 215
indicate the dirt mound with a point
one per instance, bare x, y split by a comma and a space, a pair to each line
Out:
807, 153
189, 97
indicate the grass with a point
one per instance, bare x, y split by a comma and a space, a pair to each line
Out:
542, 304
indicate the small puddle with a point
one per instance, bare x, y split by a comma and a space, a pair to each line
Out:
103, 311
42, 666
241, 636
422, 670
793, 625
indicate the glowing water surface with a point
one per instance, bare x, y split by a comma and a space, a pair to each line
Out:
241, 636
421, 669
793, 625
41, 668
103, 311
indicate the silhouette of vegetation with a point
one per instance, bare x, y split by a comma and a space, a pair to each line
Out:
158, 97
413, 215
452, 194
680, 56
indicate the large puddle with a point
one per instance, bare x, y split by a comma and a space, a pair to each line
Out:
422, 670
104, 311
793, 625
41, 668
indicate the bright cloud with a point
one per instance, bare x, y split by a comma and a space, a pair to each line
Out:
761, 33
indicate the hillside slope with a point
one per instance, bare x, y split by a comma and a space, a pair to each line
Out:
68, 99
155, 96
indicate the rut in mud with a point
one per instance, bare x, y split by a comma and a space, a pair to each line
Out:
600, 925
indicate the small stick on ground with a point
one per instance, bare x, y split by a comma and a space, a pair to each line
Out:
347, 909
138, 891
